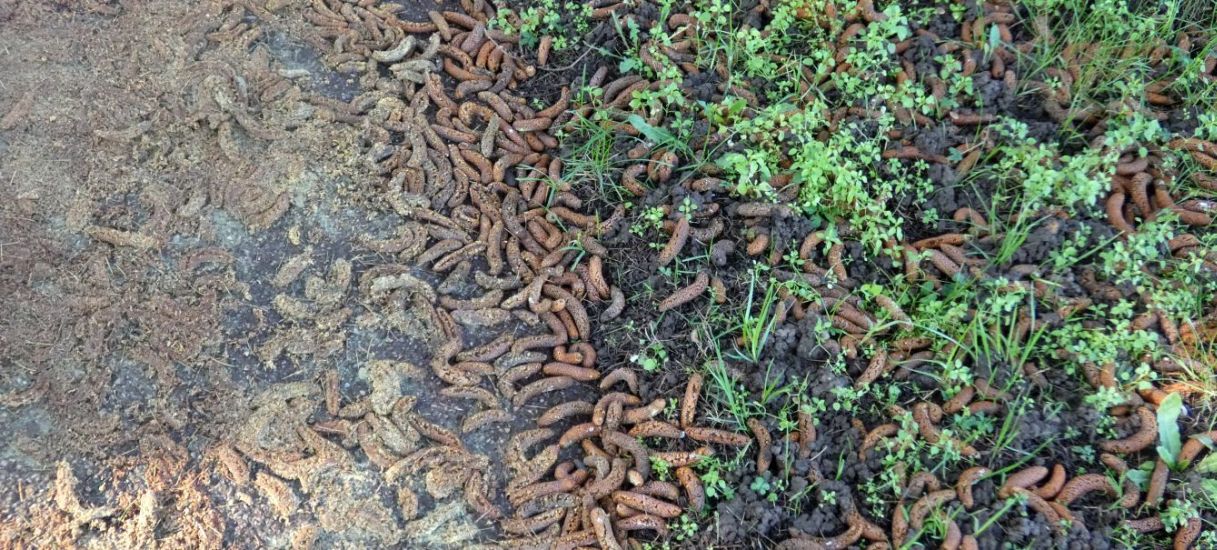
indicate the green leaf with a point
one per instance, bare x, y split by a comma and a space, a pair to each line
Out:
1208, 465
1140, 477
994, 37
1169, 443
628, 64
658, 135
1210, 487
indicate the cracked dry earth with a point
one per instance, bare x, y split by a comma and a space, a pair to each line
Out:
271, 278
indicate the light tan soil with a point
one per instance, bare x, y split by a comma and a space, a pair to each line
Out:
158, 169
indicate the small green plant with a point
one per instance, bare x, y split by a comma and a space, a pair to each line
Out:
712, 479
1177, 514
661, 467
847, 398
1105, 398
651, 219
770, 490
563, 22
684, 528
652, 357
671, 408
1208, 125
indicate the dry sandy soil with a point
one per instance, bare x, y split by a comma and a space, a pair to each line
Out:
179, 279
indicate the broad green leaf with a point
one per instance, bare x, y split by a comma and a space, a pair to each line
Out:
658, 135
1140, 477
1169, 443
994, 38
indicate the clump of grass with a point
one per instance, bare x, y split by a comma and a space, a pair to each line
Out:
1108, 44
758, 318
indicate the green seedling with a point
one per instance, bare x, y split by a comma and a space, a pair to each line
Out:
651, 358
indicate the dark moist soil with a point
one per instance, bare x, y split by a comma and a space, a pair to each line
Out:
795, 351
